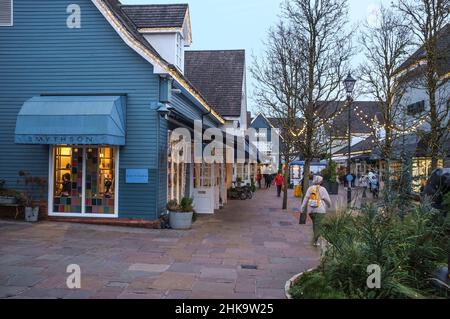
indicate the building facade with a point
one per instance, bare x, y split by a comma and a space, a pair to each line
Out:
89, 96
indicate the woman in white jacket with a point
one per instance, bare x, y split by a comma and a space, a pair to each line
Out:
315, 203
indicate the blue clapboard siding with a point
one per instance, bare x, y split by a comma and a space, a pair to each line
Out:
190, 111
39, 54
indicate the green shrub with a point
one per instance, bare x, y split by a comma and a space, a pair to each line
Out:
446, 203
329, 173
187, 205
314, 285
408, 250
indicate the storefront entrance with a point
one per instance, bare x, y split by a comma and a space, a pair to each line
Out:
176, 171
83, 181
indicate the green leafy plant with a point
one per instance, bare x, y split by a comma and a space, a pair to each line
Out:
446, 203
329, 173
172, 206
187, 205
408, 250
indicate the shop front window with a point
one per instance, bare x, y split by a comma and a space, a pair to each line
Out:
84, 180
100, 181
176, 172
67, 180
421, 171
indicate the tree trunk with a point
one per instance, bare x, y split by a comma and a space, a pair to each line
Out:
306, 173
285, 191
434, 132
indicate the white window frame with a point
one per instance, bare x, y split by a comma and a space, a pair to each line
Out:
83, 213
12, 16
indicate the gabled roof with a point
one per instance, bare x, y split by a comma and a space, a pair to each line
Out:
219, 75
157, 15
366, 109
278, 123
365, 146
128, 31
442, 53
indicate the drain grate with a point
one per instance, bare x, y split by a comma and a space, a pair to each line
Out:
252, 267
285, 223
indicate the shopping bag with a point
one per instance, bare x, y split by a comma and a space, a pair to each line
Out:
303, 218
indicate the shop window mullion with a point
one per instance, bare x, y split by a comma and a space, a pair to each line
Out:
83, 186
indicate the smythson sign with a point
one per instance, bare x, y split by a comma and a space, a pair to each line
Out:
136, 176
61, 139
99, 139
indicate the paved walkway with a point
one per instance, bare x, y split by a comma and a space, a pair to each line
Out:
247, 250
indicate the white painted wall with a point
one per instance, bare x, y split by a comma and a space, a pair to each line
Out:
417, 94
166, 45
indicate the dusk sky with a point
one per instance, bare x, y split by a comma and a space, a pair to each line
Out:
243, 24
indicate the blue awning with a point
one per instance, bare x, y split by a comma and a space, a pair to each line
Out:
73, 120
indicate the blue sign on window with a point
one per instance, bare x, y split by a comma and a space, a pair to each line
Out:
136, 176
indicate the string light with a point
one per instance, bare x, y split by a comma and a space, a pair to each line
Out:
366, 120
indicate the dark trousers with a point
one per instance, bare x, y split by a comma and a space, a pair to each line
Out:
279, 190
317, 222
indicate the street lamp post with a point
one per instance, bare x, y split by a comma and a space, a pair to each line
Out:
349, 84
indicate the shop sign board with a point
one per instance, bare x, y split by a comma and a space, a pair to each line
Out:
136, 176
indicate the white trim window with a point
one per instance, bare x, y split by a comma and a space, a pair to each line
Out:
6, 13
179, 49
83, 181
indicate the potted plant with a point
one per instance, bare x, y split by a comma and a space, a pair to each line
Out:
181, 215
329, 175
31, 186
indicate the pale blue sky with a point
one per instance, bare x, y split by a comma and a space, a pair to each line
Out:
242, 24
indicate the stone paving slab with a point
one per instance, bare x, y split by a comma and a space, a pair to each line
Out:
247, 250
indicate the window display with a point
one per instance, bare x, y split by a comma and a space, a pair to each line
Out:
67, 184
84, 180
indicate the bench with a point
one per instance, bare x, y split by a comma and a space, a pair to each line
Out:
13, 205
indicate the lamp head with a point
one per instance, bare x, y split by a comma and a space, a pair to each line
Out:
164, 110
349, 83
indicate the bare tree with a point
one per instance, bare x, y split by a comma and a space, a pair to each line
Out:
280, 80
386, 45
320, 25
427, 19
304, 65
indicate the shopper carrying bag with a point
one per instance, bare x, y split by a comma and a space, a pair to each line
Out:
315, 204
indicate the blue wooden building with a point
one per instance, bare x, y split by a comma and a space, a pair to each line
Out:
85, 95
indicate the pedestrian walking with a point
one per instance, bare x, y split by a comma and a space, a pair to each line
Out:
364, 182
315, 205
279, 183
259, 178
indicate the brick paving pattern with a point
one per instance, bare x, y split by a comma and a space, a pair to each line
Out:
247, 250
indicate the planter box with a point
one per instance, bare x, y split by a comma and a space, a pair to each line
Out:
6, 200
31, 214
332, 188
291, 282
180, 220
